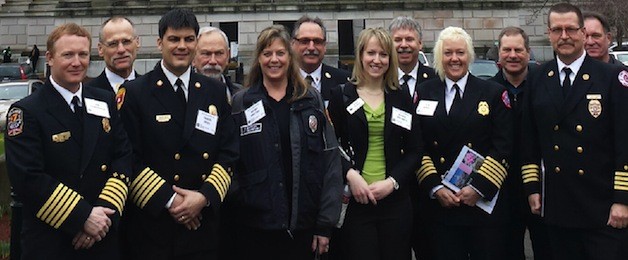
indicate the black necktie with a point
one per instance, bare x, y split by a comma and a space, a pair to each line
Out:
78, 109
179, 92
456, 101
309, 80
566, 81
405, 78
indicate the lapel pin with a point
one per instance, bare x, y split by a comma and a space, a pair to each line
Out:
160, 83
550, 73
327, 75
197, 85
585, 76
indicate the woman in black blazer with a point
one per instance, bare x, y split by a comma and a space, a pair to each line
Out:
380, 135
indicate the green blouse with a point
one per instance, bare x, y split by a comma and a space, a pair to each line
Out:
375, 163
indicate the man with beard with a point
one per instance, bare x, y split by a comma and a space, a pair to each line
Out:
212, 57
514, 56
309, 41
117, 46
574, 137
406, 34
598, 38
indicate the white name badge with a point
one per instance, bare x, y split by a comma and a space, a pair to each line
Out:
426, 107
357, 104
206, 122
401, 118
97, 108
255, 112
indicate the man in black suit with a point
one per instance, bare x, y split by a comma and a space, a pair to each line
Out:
68, 158
184, 143
212, 57
309, 42
406, 34
118, 44
574, 137
598, 38
514, 56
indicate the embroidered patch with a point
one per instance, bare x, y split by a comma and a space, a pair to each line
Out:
15, 121
250, 129
623, 78
120, 97
506, 99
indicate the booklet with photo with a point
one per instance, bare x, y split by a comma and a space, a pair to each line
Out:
459, 175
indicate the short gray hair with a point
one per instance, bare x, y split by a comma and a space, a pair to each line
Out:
405, 22
209, 30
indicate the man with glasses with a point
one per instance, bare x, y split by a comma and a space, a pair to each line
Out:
309, 42
598, 38
574, 156
117, 46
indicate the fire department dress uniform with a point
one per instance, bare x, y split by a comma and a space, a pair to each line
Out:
581, 141
483, 122
171, 147
61, 168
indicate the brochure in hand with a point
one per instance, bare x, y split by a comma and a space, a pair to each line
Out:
459, 175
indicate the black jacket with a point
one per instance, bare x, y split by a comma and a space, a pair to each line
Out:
330, 78
61, 169
102, 82
316, 177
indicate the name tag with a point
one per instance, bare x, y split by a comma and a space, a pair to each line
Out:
594, 96
357, 104
426, 107
61, 137
250, 129
255, 112
206, 122
401, 118
163, 118
97, 108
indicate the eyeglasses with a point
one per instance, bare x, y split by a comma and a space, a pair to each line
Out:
115, 43
306, 41
571, 31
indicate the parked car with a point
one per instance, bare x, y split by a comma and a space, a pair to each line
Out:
621, 56
16, 71
13, 91
423, 59
484, 69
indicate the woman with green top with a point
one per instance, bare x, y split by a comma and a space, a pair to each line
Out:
380, 135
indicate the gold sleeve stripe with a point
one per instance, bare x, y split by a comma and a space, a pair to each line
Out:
144, 186
486, 171
622, 188
621, 183
426, 171
224, 183
143, 202
530, 167
117, 185
212, 180
530, 171
220, 180
498, 167
619, 178
622, 174
531, 179
58, 206
111, 198
530, 175
139, 180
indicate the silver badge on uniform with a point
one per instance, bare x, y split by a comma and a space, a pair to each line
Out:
313, 123
595, 108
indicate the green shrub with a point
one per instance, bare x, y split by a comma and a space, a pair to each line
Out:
5, 249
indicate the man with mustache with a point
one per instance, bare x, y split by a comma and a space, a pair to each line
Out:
309, 41
406, 34
212, 57
117, 46
574, 164
598, 38
514, 56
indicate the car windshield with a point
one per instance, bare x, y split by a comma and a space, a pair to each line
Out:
9, 72
13, 91
483, 69
623, 57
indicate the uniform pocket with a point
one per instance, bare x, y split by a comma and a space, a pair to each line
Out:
256, 190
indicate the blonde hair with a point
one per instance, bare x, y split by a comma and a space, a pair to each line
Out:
448, 34
391, 79
265, 39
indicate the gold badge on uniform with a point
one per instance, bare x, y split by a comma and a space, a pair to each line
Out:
163, 118
327, 75
313, 123
61, 137
483, 108
120, 97
595, 108
550, 73
197, 85
106, 125
160, 83
585, 77
212, 110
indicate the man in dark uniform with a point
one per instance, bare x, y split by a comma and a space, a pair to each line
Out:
68, 158
514, 56
212, 57
574, 131
184, 142
117, 46
598, 38
406, 34
309, 42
